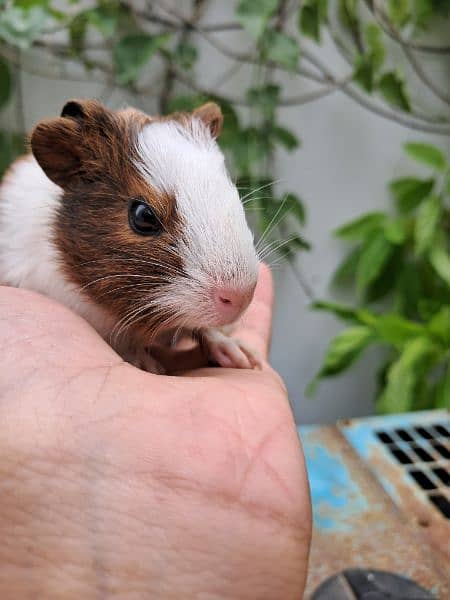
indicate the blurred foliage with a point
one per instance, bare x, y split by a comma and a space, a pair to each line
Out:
400, 261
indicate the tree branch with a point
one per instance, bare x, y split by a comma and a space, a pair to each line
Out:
425, 48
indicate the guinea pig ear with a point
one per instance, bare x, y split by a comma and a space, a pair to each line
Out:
56, 145
60, 145
211, 115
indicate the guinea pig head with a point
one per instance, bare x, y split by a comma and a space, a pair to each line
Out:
150, 225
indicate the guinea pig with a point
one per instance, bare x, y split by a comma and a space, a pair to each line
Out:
133, 222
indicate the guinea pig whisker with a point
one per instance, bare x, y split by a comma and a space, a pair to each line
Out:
256, 199
262, 187
132, 317
273, 223
118, 275
275, 248
268, 248
148, 287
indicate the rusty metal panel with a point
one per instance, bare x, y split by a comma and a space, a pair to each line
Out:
356, 524
410, 455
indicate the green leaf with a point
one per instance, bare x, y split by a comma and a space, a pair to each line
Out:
286, 138
5, 83
375, 254
440, 261
20, 27
309, 20
104, 18
323, 9
427, 154
361, 227
133, 52
427, 224
427, 308
399, 11
395, 230
77, 32
442, 398
346, 270
345, 348
408, 289
278, 209
364, 73
404, 375
295, 242
248, 148
348, 13
347, 313
392, 88
294, 206
396, 330
254, 15
11, 146
281, 48
185, 55
374, 36
264, 98
385, 282
447, 185
410, 191
439, 326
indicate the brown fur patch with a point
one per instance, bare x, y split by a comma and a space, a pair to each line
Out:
92, 158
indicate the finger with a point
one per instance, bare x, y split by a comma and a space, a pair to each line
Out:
256, 324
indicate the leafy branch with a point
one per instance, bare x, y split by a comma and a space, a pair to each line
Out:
402, 260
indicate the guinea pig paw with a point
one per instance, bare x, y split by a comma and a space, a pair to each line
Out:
229, 352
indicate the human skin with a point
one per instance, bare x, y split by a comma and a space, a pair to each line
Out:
116, 483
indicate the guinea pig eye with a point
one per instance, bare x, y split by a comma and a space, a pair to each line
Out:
142, 219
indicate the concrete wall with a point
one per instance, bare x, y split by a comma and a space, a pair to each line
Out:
347, 156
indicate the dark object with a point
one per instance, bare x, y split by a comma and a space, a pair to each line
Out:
142, 219
368, 584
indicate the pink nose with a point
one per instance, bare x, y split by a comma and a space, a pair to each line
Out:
231, 302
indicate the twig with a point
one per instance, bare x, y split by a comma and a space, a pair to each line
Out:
301, 280
419, 122
426, 48
383, 21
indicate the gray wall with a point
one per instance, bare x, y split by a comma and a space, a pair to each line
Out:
347, 156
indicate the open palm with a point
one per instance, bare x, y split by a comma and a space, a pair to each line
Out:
120, 483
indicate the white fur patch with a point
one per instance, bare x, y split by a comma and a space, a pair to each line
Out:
29, 257
217, 245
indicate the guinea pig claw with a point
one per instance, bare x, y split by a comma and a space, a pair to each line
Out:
228, 352
251, 355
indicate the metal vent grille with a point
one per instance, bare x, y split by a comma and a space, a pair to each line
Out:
425, 454
409, 453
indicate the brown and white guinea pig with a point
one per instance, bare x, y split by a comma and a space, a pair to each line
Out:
133, 222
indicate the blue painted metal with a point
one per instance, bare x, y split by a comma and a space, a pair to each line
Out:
355, 523
336, 498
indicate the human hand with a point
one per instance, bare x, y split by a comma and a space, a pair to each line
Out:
116, 483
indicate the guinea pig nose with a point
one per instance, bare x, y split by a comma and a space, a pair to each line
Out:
231, 302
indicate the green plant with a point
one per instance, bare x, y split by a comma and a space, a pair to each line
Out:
152, 52
400, 264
